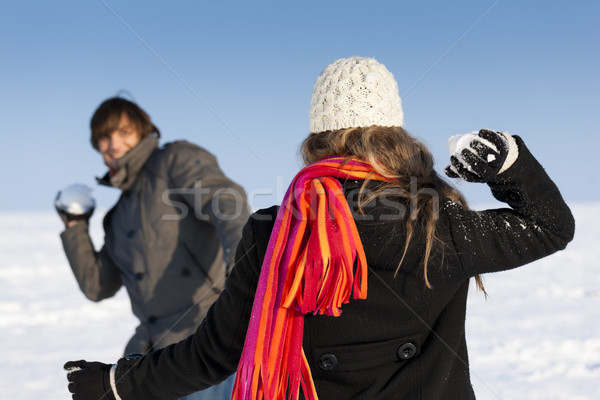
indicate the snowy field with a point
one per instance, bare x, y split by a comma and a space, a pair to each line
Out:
536, 337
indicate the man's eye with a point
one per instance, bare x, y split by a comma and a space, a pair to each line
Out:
123, 132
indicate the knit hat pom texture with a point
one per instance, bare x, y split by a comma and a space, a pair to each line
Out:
355, 92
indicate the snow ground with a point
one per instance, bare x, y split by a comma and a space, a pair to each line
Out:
536, 337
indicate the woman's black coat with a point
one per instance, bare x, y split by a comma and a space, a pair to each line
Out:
404, 341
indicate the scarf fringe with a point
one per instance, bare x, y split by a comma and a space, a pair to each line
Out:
309, 267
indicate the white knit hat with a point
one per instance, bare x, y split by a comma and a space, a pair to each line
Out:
355, 92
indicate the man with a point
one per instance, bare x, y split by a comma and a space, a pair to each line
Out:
169, 239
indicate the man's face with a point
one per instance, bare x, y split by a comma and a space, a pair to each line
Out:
119, 142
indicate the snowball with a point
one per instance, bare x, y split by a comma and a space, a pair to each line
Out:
457, 143
75, 199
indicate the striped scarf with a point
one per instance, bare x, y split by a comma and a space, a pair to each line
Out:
308, 268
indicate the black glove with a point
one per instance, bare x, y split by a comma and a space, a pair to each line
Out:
89, 380
480, 162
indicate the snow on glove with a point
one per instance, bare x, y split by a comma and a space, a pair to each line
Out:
477, 158
89, 380
75, 203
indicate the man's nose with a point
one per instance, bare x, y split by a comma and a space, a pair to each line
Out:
114, 143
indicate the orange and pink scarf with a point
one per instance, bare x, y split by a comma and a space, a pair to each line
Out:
308, 268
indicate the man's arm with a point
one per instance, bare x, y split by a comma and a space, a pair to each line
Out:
97, 276
211, 194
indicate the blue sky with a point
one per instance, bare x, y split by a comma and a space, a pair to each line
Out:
236, 78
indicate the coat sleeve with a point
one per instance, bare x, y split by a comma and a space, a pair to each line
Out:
194, 174
213, 352
537, 224
98, 277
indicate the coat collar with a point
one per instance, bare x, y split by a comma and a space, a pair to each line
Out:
130, 165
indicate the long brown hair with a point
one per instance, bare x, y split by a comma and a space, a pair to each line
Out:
397, 155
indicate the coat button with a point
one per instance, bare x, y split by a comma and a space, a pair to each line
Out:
139, 276
186, 272
130, 233
328, 362
406, 351
152, 319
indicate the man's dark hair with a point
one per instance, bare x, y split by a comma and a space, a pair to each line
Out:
107, 116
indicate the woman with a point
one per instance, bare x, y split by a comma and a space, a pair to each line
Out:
368, 224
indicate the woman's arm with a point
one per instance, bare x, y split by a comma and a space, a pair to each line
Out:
538, 223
